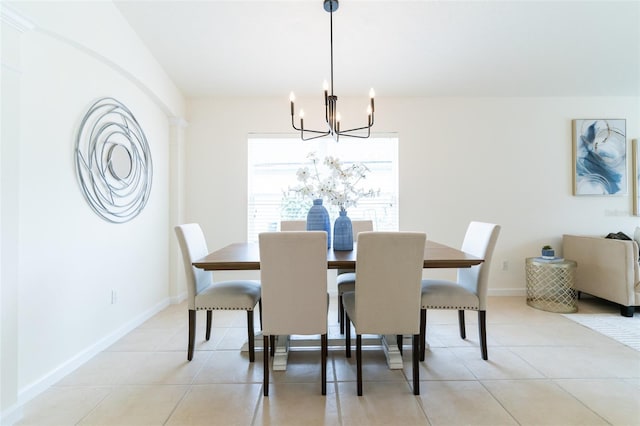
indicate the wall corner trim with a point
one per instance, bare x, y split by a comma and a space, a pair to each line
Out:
180, 122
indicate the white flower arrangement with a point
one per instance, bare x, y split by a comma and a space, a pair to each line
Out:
338, 185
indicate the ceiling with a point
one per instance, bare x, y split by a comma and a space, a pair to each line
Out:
401, 48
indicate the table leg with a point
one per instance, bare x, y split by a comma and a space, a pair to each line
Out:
282, 353
391, 352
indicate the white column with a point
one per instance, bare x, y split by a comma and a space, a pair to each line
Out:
177, 281
12, 27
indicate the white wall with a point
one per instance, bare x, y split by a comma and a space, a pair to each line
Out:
503, 160
68, 259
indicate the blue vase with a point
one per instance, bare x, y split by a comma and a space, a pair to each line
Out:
318, 219
343, 232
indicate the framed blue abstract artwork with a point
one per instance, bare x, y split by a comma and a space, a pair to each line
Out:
599, 157
636, 178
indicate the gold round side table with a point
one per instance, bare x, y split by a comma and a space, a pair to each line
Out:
550, 284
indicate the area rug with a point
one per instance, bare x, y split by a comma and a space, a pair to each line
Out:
624, 330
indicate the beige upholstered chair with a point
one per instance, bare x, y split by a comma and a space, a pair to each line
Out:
204, 294
293, 273
293, 225
386, 299
346, 279
469, 291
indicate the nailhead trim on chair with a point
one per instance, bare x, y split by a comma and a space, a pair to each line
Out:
466, 308
223, 309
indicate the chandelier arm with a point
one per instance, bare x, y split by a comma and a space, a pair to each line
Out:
324, 133
302, 130
326, 112
346, 135
354, 129
321, 135
293, 124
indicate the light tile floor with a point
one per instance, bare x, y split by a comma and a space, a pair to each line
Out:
543, 369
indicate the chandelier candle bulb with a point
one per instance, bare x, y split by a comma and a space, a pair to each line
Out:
325, 86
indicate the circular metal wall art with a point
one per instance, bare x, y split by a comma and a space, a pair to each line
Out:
113, 161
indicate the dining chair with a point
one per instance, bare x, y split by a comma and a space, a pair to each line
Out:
293, 225
346, 279
469, 291
293, 273
204, 294
386, 298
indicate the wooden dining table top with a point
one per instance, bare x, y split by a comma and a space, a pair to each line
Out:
246, 257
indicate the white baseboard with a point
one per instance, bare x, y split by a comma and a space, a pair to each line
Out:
32, 390
176, 300
507, 291
11, 415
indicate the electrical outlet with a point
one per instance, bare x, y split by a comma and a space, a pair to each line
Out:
114, 297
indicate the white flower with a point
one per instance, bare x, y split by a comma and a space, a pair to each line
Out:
338, 185
303, 174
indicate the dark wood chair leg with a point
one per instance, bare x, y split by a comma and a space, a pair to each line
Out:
359, 362
482, 329
260, 307
463, 331
423, 333
272, 340
250, 336
324, 350
627, 311
265, 365
192, 334
399, 342
416, 369
347, 335
340, 314
209, 321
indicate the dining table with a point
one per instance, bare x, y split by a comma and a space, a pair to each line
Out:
245, 256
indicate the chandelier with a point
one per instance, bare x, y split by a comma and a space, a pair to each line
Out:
332, 116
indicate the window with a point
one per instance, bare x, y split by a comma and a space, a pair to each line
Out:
274, 161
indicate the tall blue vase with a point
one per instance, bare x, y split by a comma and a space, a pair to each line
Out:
318, 219
343, 232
